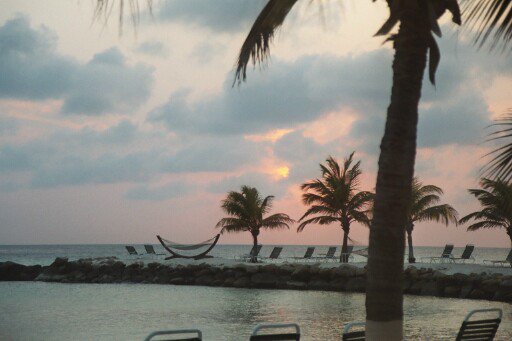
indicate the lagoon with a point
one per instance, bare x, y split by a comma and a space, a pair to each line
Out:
43, 311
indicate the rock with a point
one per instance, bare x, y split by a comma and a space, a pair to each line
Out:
360, 272
59, 261
478, 294
490, 285
429, 288
452, 291
344, 271
324, 273
415, 288
177, 281
466, 290
229, 282
338, 284
264, 280
204, 280
296, 285
319, 285
301, 273
356, 284
242, 282
10, 271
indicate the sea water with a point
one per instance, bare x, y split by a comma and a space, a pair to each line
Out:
46, 254
54, 311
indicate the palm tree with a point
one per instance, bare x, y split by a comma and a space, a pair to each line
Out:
335, 198
495, 196
246, 209
412, 42
424, 208
417, 18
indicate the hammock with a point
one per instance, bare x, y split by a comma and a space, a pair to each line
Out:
169, 246
362, 252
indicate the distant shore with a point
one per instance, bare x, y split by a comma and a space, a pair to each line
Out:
442, 280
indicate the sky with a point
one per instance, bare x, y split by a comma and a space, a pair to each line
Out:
114, 137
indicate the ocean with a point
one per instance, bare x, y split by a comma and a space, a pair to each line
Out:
46, 254
55, 311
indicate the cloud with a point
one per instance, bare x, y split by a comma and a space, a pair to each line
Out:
289, 94
263, 182
220, 15
214, 155
32, 69
152, 48
159, 193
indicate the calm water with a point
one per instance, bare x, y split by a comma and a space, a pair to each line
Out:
45, 254
50, 311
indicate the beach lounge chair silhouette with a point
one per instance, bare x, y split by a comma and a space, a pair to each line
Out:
484, 329
150, 250
347, 255
466, 254
131, 250
276, 251
280, 336
307, 255
247, 256
501, 262
445, 256
178, 335
354, 335
329, 255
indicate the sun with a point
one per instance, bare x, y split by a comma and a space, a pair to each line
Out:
283, 172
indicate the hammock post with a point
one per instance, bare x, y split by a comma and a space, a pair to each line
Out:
203, 254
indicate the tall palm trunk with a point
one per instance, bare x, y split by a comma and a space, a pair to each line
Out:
409, 229
509, 232
384, 297
255, 233
343, 255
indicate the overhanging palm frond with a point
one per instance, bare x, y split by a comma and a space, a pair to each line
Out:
500, 165
491, 20
256, 45
496, 200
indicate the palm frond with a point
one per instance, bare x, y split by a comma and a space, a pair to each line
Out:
500, 165
491, 20
257, 44
495, 196
440, 213
321, 220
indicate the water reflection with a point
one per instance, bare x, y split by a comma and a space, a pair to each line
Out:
39, 311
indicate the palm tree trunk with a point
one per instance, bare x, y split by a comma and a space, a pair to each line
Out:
254, 258
509, 232
411, 249
384, 297
343, 255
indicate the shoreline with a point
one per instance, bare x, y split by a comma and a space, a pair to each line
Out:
471, 281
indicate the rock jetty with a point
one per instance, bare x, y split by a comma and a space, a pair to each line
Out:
346, 278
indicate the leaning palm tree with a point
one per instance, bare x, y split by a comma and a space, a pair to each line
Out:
335, 198
495, 196
424, 208
246, 209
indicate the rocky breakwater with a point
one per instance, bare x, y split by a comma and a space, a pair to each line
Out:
348, 278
